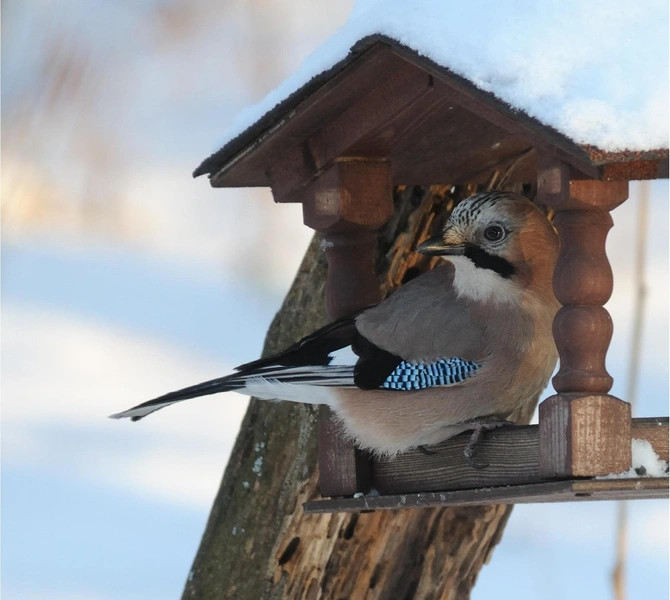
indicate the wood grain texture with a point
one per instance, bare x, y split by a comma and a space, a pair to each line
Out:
591, 193
630, 170
582, 334
583, 430
584, 435
582, 283
510, 452
350, 86
354, 192
249, 511
389, 555
314, 152
388, 101
655, 431
583, 276
347, 204
512, 455
344, 469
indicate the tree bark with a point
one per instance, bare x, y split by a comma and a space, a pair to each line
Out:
258, 542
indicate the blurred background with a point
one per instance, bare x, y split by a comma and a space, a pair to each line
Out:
123, 278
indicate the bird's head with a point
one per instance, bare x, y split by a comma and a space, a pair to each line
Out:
502, 233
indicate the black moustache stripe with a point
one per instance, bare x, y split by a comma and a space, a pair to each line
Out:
484, 260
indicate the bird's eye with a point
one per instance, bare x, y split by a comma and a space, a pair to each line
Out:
494, 233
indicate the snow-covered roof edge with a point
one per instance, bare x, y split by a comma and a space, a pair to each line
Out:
275, 113
278, 112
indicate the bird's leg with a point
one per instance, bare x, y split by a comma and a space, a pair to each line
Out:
469, 450
480, 425
425, 451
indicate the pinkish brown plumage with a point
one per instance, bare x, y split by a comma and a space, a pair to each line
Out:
466, 345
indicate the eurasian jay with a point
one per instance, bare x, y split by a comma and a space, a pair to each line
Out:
464, 346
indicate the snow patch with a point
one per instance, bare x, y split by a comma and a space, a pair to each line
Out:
646, 463
597, 71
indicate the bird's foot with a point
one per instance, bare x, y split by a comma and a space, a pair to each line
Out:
425, 451
479, 426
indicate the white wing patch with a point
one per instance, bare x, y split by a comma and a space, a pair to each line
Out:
343, 357
271, 389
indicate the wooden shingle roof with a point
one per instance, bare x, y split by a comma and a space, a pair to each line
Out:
385, 100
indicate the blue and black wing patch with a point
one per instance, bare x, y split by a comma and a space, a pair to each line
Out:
377, 368
419, 376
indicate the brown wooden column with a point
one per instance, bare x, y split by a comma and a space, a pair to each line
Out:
583, 430
348, 203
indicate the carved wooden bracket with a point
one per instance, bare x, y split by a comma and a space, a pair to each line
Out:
348, 203
583, 430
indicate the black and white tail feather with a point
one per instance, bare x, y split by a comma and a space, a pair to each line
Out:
326, 358
335, 356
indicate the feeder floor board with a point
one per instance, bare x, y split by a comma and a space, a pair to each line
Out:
551, 491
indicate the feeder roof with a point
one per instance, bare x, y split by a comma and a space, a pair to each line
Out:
446, 114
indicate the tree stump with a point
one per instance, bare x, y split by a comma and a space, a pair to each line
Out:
259, 543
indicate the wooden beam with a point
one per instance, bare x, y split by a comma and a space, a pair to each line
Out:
347, 204
249, 165
510, 452
635, 170
552, 491
512, 455
655, 431
485, 105
414, 479
583, 430
294, 168
342, 468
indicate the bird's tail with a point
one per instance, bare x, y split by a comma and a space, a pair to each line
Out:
214, 386
268, 382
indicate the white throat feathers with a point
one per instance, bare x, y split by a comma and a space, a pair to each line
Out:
478, 284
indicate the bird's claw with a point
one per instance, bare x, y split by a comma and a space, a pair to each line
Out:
479, 426
475, 465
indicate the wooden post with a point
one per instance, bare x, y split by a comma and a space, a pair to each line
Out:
348, 203
583, 430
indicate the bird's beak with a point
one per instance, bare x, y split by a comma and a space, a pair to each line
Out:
437, 246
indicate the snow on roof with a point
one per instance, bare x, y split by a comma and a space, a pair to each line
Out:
595, 70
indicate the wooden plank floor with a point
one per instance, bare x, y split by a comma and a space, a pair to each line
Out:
552, 491
512, 476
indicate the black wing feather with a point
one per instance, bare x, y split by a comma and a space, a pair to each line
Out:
371, 370
374, 364
313, 349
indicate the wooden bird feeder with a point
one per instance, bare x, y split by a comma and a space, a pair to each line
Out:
387, 116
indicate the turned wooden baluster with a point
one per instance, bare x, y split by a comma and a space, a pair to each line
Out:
583, 430
348, 203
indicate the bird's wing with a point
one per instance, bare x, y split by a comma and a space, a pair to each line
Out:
426, 321
421, 336
317, 348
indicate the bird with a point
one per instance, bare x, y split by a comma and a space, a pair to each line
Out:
465, 346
